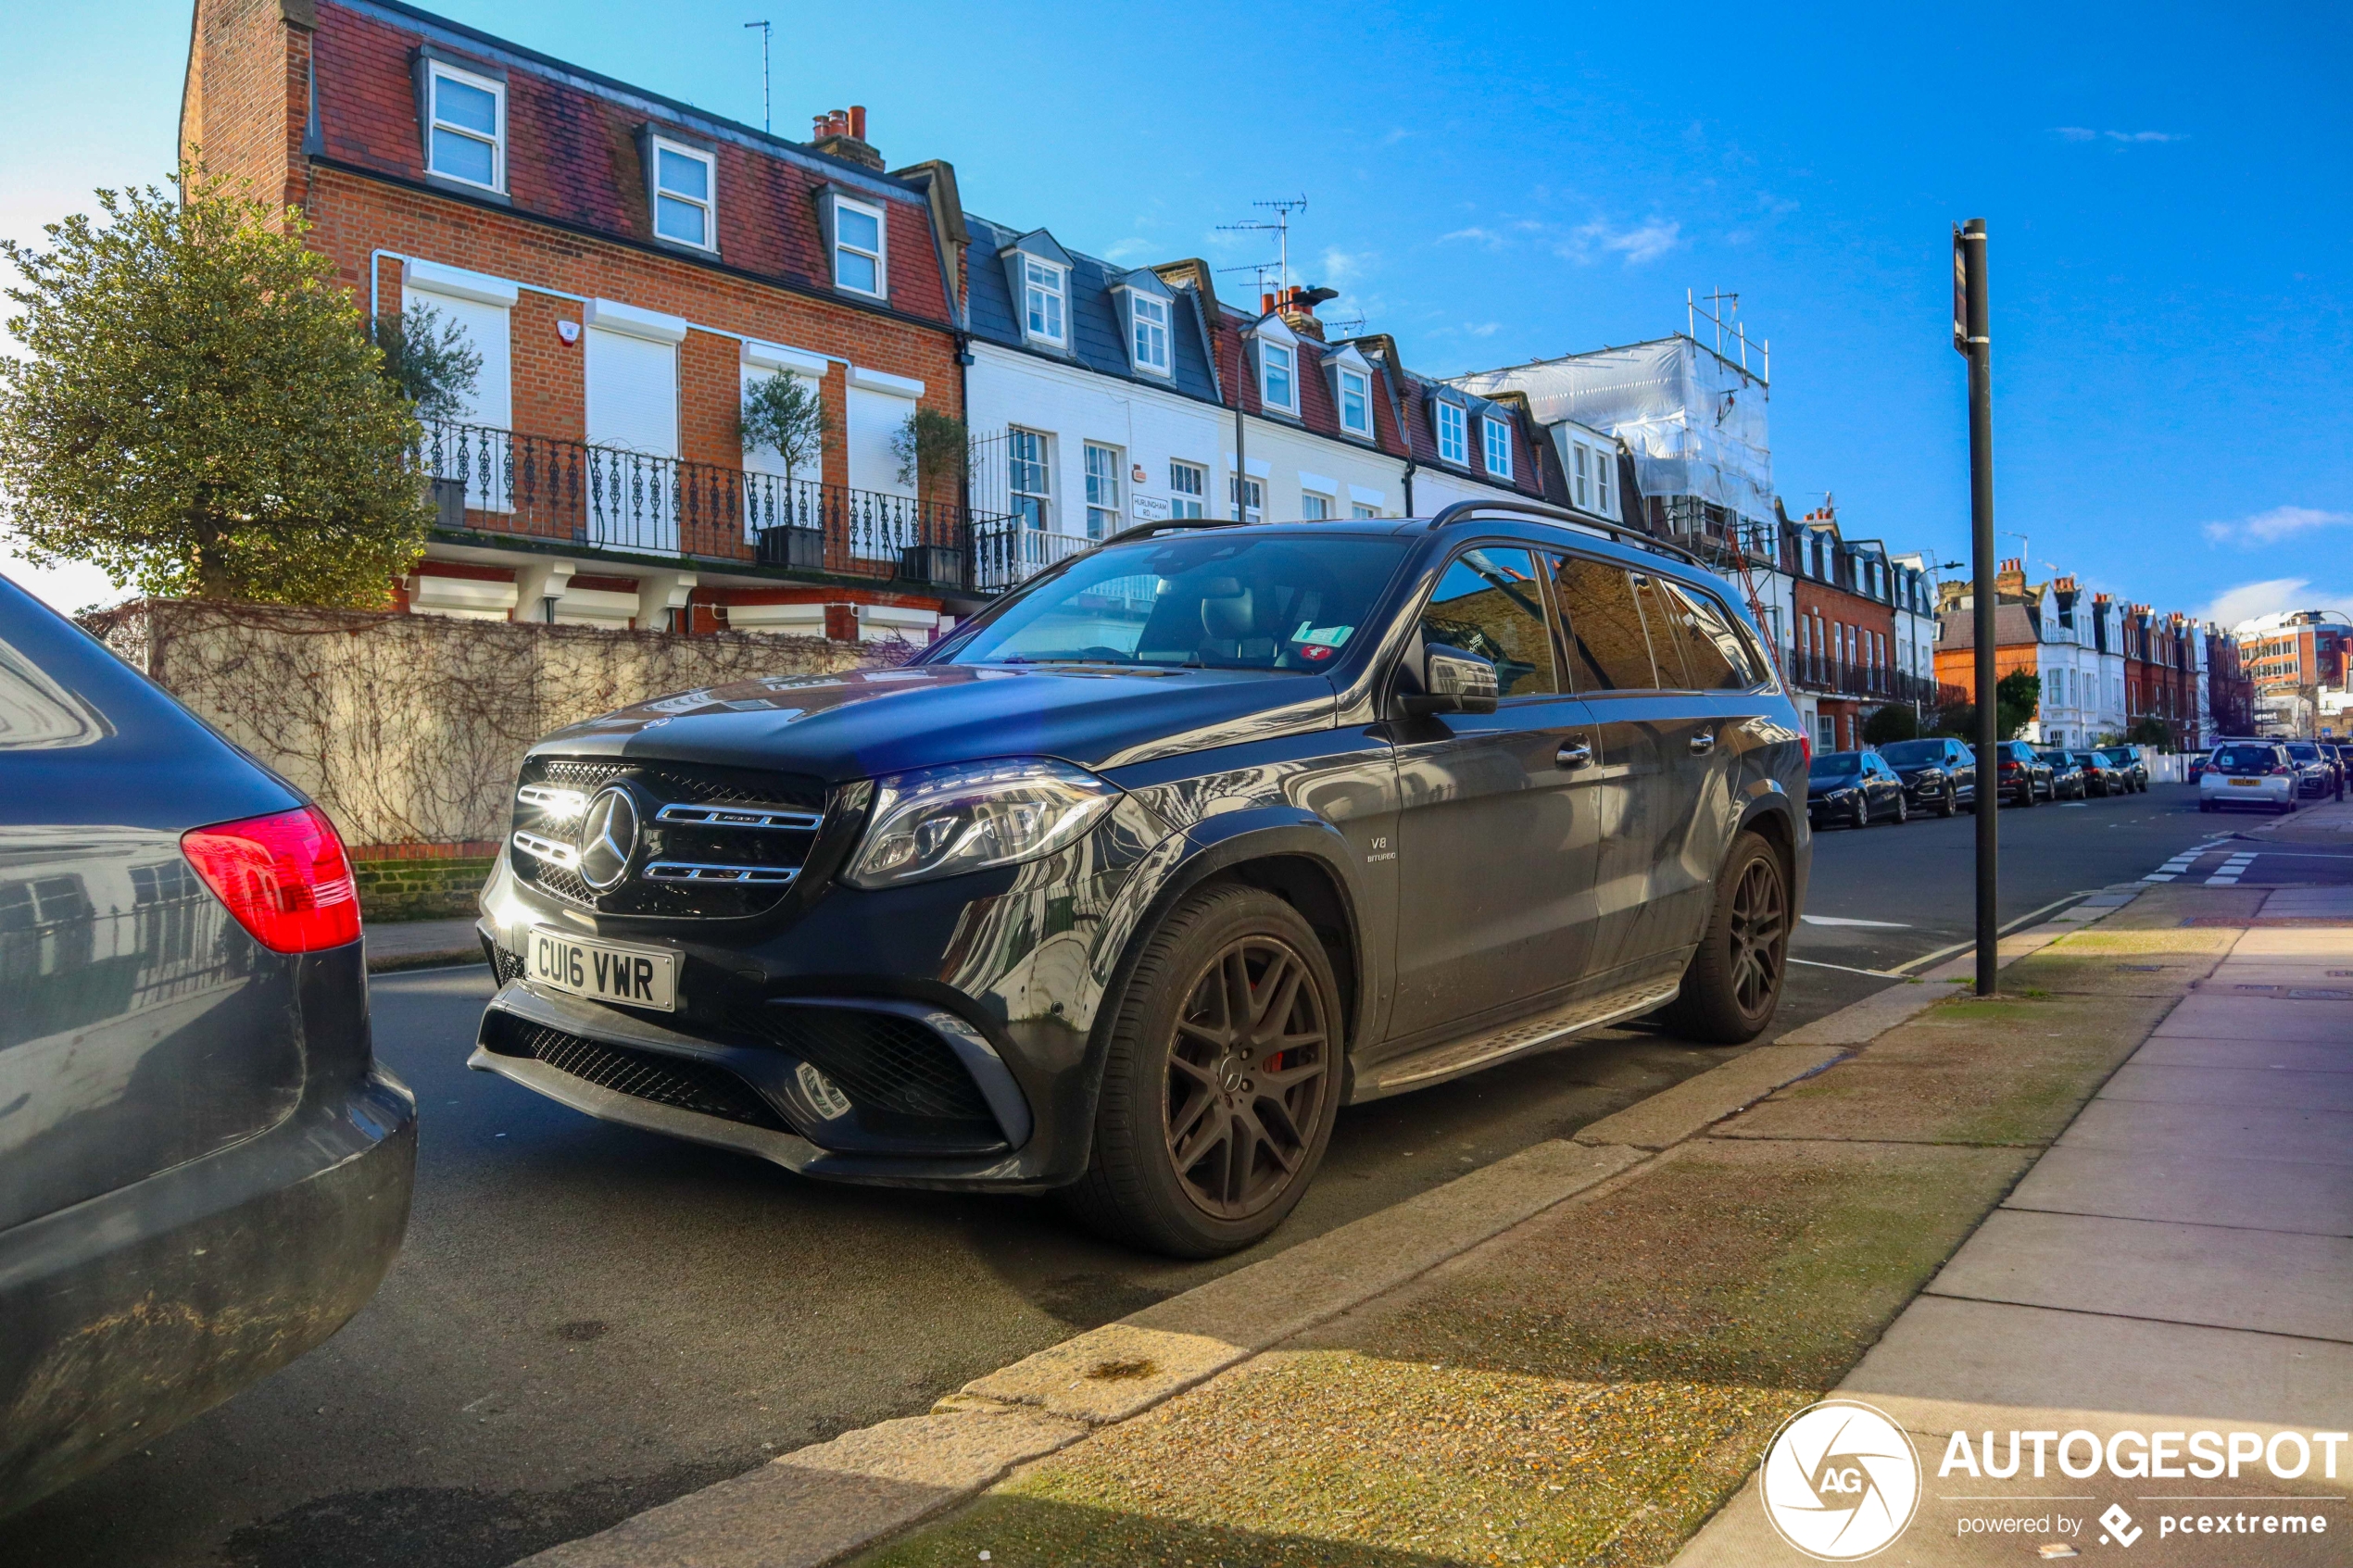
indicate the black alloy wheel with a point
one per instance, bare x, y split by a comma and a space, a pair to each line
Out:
1221, 1082
1733, 983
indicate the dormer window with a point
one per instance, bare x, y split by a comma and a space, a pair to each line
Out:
1150, 334
466, 136
686, 185
858, 246
1041, 300
1277, 377
1355, 402
1454, 434
1498, 436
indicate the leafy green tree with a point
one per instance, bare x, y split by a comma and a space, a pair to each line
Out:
199, 410
429, 358
2150, 730
2016, 696
784, 414
931, 448
1886, 725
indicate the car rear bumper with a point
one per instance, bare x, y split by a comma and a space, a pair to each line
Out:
135, 1310
2218, 790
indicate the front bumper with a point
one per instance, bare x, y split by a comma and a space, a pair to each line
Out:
135, 1310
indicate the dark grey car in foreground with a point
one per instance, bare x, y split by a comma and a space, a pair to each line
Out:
203, 1173
1127, 885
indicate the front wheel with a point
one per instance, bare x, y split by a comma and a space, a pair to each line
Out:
1862, 810
1733, 983
1950, 804
1221, 1083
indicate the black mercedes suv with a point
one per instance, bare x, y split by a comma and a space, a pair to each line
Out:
1126, 885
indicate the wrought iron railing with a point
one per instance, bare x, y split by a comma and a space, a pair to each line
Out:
1838, 677
489, 481
1006, 551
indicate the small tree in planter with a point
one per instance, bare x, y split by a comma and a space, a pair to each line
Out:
428, 358
785, 414
931, 448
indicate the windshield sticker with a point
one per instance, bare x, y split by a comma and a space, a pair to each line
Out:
1315, 653
1322, 637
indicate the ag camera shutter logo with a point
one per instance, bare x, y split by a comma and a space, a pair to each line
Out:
1841, 1481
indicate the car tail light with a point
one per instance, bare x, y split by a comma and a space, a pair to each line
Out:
2009, 767
1805, 750
284, 877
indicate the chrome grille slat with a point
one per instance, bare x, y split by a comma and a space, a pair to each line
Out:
740, 816
702, 871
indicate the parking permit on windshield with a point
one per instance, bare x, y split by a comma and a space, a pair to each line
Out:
1321, 636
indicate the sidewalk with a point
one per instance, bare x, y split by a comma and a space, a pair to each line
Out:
419, 943
2178, 1260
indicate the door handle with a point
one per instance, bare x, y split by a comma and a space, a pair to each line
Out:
1574, 754
1702, 744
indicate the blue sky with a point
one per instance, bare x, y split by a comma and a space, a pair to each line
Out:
2167, 188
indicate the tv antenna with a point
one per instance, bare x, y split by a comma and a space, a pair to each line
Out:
766, 30
1281, 229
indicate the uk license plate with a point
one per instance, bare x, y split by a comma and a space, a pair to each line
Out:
637, 977
2246, 783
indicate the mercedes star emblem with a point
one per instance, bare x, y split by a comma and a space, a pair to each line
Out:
608, 838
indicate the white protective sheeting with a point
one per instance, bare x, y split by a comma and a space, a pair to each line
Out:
1696, 422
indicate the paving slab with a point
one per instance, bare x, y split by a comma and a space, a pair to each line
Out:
2266, 1281
2301, 1056
2231, 1086
2204, 1015
2324, 1138
2287, 941
2191, 1189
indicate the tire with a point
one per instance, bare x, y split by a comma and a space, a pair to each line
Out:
1903, 813
2026, 796
1733, 984
1950, 804
1180, 1080
1862, 810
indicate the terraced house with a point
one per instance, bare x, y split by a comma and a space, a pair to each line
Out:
626, 266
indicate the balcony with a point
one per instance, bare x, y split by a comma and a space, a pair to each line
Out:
1871, 683
500, 485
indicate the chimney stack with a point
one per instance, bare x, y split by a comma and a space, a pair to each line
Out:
842, 134
1300, 316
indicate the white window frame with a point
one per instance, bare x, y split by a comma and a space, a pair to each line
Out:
1604, 476
1188, 500
1105, 468
658, 145
1361, 390
1152, 331
435, 71
1495, 440
1358, 512
1454, 434
1266, 399
1042, 521
880, 253
1254, 499
1580, 457
1057, 295
1314, 508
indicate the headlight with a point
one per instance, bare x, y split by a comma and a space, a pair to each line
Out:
944, 821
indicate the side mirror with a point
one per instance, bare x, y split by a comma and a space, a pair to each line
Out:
1452, 682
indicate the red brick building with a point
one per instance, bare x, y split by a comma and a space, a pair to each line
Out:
1844, 630
627, 266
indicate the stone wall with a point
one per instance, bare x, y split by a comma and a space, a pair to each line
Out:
408, 729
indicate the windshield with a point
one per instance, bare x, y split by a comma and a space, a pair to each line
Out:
1837, 764
1912, 753
2305, 752
2245, 759
1200, 601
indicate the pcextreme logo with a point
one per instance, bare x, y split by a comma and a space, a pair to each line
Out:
1841, 1481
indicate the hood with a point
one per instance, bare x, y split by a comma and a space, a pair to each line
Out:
864, 723
1815, 786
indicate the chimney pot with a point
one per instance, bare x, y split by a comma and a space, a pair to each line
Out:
1265, 303
816, 126
858, 121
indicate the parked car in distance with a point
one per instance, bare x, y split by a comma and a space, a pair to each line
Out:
1122, 887
2250, 774
1853, 789
2024, 776
2133, 760
1939, 773
2316, 768
2069, 780
203, 1170
2101, 777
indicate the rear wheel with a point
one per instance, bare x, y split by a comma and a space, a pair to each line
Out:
1902, 810
1221, 1083
1733, 983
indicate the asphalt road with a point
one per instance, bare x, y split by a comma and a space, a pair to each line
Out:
588, 1320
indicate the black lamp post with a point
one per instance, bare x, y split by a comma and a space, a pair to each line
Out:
1307, 298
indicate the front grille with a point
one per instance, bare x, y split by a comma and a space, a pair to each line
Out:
881, 1061
689, 869
504, 965
646, 1075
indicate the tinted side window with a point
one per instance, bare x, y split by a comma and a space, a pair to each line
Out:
1607, 648
1489, 603
1713, 652
1667, 649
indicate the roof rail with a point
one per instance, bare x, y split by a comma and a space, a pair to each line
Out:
1167, 525
1624, 535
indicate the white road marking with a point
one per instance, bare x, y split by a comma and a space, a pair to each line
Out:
1848, 969
1842, 919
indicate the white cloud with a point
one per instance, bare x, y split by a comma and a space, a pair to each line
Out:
1482, 329
2279, 523
1126, 249
2127, 138
2270, 597
1644, 241
1396, 136
1476, 235
1342, 268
